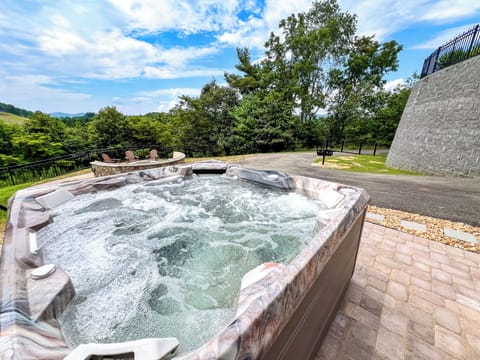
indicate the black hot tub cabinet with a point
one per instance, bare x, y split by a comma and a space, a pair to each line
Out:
284, 310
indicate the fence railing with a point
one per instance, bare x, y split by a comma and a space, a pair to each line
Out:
49, 168
460, 48
45, 169
355, 148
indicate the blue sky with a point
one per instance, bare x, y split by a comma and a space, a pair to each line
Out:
140, 55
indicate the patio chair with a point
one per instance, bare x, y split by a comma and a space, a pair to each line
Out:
130, 156
153, 155
108, 159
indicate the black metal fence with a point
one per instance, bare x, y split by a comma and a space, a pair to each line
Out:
45, 169
49, 168
461, 48
355, 148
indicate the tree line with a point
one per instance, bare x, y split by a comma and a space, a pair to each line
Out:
318, 81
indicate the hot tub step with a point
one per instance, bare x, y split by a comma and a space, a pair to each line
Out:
144, 349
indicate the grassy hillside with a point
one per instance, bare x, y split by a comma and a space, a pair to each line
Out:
12, 119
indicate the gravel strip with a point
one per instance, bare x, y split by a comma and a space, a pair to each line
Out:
434, 226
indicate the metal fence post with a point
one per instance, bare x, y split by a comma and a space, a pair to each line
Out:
12, 179
324, 152
473, 41
360, 149
55, 170
375, 149
435, 64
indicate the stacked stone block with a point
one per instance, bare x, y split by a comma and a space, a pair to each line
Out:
439, 132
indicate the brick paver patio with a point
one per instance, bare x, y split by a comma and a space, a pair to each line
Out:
409, 298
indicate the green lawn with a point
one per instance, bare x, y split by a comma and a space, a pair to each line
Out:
12, 119
5, 194
362, 163
7, 191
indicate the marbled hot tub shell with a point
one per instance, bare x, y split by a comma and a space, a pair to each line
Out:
284, 310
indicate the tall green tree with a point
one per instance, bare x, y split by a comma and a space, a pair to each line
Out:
317, 63
36, 146
355, 87
303, 56
251, 80
41, 123
42, 137
109, 128
144, 130
378, 118
388, 116
264, 123
205, 123
7, 153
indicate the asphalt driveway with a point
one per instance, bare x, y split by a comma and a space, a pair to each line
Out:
451, 198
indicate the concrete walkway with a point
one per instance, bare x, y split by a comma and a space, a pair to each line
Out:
409, 298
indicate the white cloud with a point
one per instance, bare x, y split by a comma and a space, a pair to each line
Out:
101, 41
276, 10
161, 100
252, 33
112, 55
171, 92
165, 72
447, 10
187, 16
384, 17
60, 43
86, 41
375, 17
443, 37
255, 31
182, 56
393, 84
39, 92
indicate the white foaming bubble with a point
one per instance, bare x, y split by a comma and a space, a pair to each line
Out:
167, 260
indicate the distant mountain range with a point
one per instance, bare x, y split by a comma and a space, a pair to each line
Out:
64, 115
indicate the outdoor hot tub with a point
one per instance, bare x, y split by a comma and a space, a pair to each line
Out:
209, 260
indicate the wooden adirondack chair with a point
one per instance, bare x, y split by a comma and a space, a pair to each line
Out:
153, 155
130, 156
108, 159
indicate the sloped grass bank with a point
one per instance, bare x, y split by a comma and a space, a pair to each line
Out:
12, 118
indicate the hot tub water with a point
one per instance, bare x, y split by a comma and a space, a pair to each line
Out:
167, 260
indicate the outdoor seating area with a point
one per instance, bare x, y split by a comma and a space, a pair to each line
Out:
133, 162
130, 157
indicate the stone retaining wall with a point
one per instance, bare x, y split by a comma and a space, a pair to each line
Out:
100, 168
439, 132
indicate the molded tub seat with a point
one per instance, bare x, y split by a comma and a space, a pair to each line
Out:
284, 310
